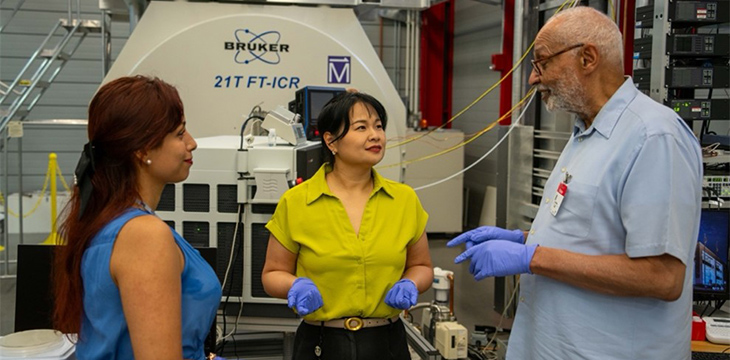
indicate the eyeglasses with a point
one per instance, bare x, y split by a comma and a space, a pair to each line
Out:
535, 63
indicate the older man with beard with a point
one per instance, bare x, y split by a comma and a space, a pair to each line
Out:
606, 262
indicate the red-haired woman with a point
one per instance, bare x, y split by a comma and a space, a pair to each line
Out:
127, 283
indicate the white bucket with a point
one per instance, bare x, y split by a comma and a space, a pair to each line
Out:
37, 344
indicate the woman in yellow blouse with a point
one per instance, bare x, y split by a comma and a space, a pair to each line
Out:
348, 248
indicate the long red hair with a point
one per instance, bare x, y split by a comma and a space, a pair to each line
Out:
126, 115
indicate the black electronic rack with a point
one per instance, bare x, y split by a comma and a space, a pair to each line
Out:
681, 60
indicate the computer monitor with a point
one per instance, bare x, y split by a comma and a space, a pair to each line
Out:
308, 102
711, 257
33, 292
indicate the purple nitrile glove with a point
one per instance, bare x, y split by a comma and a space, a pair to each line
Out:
498, 258
304, 296
402, 295
484, 233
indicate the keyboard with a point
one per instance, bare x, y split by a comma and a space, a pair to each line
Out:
710, 356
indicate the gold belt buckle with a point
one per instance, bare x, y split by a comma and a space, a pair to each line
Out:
353, 323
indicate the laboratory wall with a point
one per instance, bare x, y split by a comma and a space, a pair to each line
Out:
477, 35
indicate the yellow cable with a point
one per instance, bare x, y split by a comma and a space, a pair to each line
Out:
478, 134
479, 98
485, 93
612, 11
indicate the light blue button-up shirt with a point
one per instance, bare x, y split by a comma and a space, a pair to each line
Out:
635, 182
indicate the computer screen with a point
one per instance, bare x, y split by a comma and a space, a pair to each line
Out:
711, 257
317, 100
309, 102
33, 292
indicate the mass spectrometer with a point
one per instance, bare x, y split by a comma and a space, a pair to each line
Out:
227, 58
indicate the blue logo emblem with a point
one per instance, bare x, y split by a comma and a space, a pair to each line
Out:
264, 47
338, 69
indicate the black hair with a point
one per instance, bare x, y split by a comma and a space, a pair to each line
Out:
336, 114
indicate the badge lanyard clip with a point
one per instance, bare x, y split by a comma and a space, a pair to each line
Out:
560, 194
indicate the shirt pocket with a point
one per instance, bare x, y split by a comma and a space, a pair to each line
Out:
575, 216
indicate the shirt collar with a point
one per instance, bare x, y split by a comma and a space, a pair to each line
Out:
318, 184
379, 183
608, 116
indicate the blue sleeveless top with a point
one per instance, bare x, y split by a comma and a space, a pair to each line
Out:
104, 331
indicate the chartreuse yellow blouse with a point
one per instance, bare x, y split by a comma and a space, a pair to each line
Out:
353, 272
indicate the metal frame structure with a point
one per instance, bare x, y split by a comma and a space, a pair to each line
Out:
659, 56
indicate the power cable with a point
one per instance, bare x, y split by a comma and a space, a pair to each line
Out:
487, 153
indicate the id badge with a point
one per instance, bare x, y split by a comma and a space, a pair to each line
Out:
558, 199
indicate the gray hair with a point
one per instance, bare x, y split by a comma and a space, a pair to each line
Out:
585, 25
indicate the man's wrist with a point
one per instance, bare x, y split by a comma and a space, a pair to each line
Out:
536, 261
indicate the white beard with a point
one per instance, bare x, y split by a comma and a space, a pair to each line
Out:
567, 94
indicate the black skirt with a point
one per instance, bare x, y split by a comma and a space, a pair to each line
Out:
387, 342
